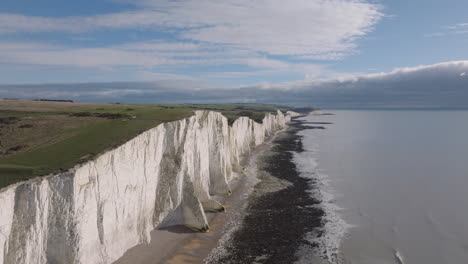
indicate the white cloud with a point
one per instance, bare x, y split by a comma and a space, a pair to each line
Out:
437, 68
281, 27
310, 28
455, 29
445, 69
349, 81
17, 23
263, 37
458, 26
149, 57
427, 86
158, 76
42, 54
161, 46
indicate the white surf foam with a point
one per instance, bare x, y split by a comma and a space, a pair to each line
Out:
398, 257
329, 238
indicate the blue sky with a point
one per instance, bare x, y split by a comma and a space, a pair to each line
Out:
413, 33
384, 35
225, 44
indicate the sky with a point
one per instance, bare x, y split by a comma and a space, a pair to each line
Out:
346, 53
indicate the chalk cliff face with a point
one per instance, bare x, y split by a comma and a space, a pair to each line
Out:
98, 210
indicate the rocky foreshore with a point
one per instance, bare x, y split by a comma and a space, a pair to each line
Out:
281, 210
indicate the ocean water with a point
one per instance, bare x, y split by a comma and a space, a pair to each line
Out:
393, 184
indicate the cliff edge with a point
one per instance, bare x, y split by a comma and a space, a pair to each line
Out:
96, 211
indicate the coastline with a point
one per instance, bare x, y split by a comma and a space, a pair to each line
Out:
280, 211
96, 213
328, 238
179, 244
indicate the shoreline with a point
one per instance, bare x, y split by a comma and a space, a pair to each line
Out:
280, 212
328, 239
179, 244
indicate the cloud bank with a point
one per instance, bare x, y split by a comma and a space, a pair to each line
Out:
443, 85
294, 27
260, 37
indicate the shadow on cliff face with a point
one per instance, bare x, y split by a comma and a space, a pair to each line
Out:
276, 223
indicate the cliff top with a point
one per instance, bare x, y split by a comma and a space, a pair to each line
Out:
43, 137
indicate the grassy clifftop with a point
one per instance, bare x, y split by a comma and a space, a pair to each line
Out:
39, 138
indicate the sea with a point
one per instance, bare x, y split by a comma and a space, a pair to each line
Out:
393, 185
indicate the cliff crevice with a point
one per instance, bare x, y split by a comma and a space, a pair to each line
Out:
98, 210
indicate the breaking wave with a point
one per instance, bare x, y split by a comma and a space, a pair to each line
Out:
324, 243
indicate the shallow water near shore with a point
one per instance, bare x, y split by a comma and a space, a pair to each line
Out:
393, 185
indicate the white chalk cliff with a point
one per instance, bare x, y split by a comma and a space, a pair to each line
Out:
98, 210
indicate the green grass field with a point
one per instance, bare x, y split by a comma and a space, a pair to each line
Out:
39, 138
